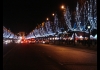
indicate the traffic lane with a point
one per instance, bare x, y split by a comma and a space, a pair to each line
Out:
70, 53
7, 48
58, 55
71, 58
29, 57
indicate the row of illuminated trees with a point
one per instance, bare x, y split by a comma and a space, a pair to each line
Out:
85, 21
7, 34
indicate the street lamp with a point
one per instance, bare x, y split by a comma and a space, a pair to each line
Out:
89, 35
53, 14
54, 28
62, 7
89, 27
47, 19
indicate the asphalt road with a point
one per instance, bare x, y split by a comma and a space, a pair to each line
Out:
47, 57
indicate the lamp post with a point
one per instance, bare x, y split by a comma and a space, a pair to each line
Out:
54, 31
89, 36
62, 30
64, 10
54, 38
84, 39
74, 37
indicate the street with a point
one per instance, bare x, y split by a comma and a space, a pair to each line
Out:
47, 57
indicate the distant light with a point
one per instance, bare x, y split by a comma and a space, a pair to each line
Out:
53, 14
20, 37
47, 18
43, 41
81, 37
88, 27
95, 36
62, 6
70, 38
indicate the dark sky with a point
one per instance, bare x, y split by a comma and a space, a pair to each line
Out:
22, 15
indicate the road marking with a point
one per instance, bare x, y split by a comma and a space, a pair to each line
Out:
8, 52
60, 63
49, 56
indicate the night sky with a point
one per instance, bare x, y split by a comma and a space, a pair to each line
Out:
22, 15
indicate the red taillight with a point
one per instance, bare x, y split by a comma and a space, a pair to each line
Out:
21, 41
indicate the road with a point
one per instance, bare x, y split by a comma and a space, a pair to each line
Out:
47, 57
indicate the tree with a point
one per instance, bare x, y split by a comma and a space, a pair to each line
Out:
67, 17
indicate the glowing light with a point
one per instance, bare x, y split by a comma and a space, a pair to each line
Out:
95, 36
21, 41
43, 41
88, 27
67, 17
56, 24
62, 6
77, 17
53, 14
81, 37
47, 18
71, 38
6, 43
20, 37
88, 11
50, 38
